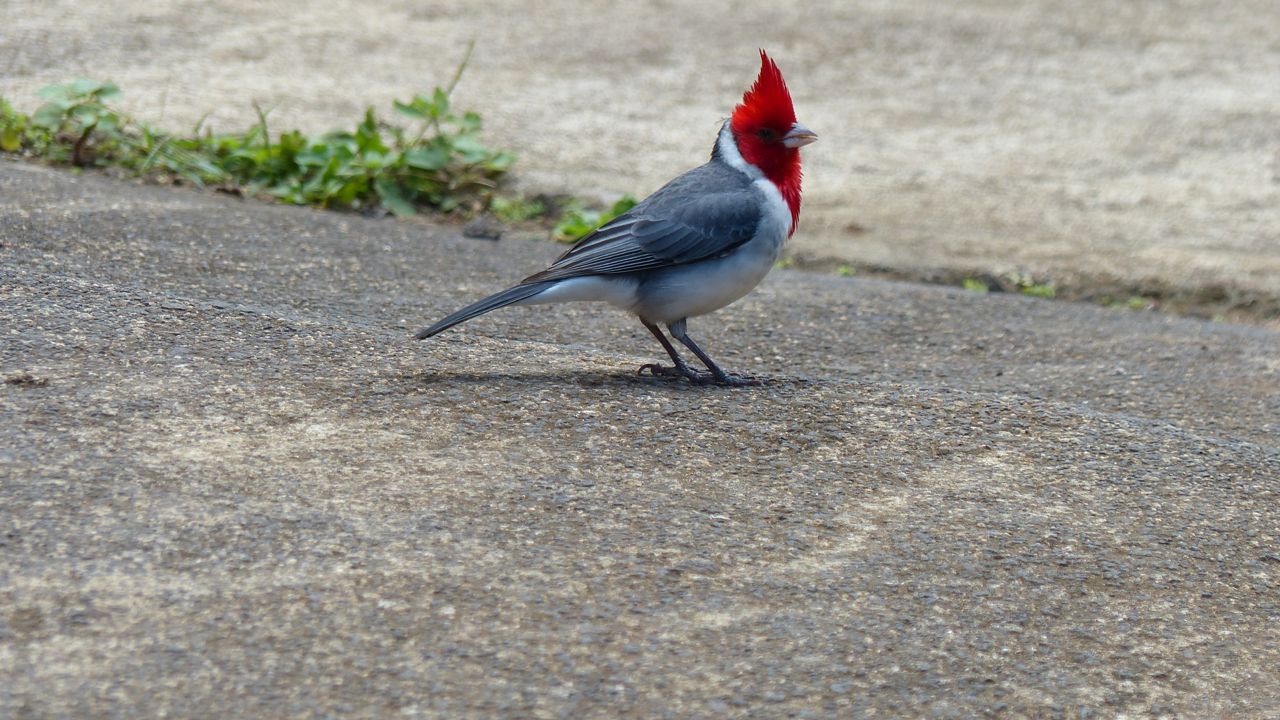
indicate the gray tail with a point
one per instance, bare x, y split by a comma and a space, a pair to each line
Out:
480, 307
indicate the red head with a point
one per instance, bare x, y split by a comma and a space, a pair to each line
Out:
764, 125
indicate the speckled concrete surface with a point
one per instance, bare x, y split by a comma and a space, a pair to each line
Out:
233, 486
1112, 149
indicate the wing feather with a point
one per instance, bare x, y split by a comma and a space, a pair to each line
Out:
702, 214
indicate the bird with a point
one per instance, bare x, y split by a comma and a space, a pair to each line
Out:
697, 244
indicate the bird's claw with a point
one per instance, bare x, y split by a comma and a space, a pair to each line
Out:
657, 370
697, 377
736, 380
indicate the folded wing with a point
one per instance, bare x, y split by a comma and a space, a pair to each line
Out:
705, 213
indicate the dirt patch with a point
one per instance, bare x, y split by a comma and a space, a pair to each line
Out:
1107, 148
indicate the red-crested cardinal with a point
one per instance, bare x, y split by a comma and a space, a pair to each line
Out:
700, 242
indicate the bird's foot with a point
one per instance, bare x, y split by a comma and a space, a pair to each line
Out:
656, 370
737, 380
697, 377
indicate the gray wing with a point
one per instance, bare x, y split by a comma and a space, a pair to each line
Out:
702, 214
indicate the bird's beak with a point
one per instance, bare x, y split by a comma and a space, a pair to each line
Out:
799, 136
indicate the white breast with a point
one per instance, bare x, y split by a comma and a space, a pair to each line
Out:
704, 287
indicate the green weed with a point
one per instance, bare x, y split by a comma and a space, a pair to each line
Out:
437, 161
516, 209
578, 222
1027, 285
1037, 290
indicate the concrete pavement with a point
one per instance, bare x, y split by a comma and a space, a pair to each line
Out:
233, 486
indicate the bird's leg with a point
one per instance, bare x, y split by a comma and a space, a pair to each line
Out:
720, 376
681, 368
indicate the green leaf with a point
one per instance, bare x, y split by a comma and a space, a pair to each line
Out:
347, 193
624, 203
311, 188
470, 148
87, 112
392, 198
10, 140
108, 124
427, 158
314, 156
82, 87
108, 91
55, 92
292, 141
367, 136
373, 160
500, 162
415, 110
49, 116
1038, 290
516, 209
575, 225
577, 222
440, 103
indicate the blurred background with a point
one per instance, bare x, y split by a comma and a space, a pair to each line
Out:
1105, 148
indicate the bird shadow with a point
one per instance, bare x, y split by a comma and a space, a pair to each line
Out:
591, 379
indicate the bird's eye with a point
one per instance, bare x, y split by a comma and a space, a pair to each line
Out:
766, 134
